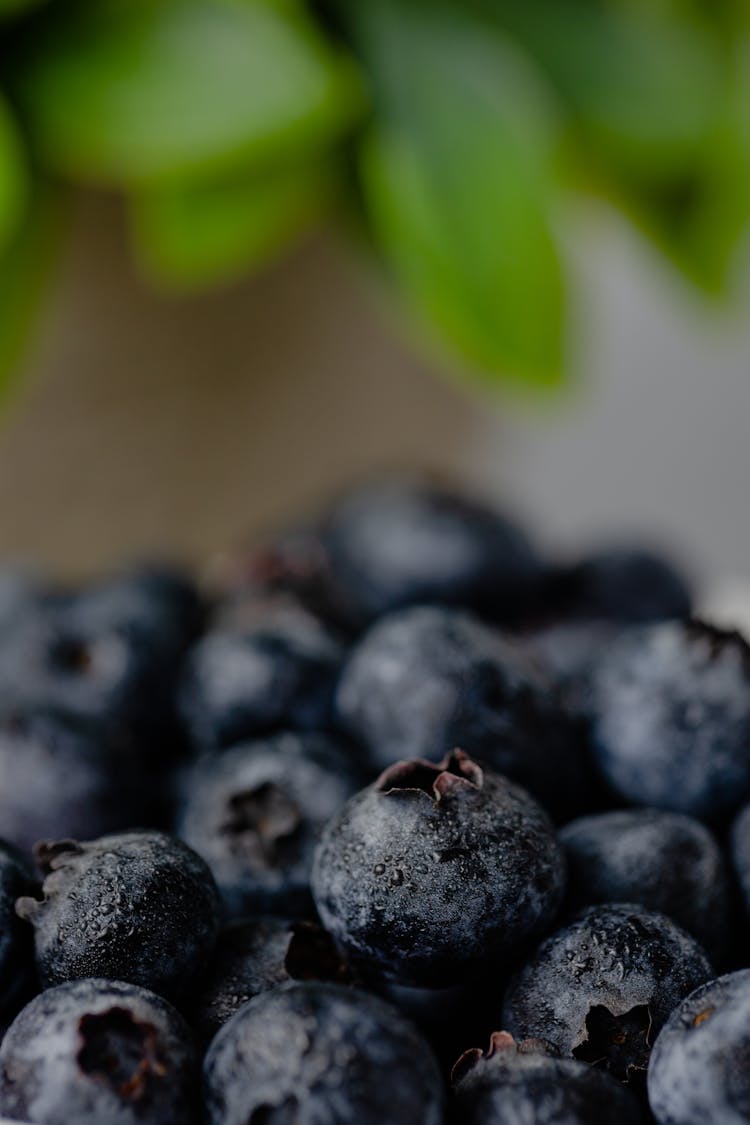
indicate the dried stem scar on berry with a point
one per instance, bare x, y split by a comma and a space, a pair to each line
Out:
434, 869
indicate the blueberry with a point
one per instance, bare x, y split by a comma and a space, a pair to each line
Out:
740, 848
670, 707
601, 988
627, 584
278, 670
520, 1083
102, 657
255, 812
664, 861
254, 956
59, 779
140, 907
700, 1064
294, 564
397, 543
96, 1051
20, 593
423, 681
16, 945
320, 1053
433, 869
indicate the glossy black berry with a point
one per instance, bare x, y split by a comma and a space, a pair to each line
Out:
61, 779
277, 669
98, 1052
254, 956
433, 869
664, 861
520, 1083
320, 1053
601, 988
423, 681
670, 710
700, 1064
140, 907
397, 543
255, 813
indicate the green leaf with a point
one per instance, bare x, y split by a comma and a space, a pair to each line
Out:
191, 235
455, 177
13, 177
24, 269
13, 7
133, 91
642, 85
700, 223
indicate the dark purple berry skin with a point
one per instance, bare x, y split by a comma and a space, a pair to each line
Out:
434, 869
398, 543
58, 779
601, 988
700, 1068
670, 706
526, 1084
140, 907
625, 584
17, 975
92, 1052
275, 669
255, 813
254, 956
320, 1053
425, 680
105, 656
664, 861
740, 850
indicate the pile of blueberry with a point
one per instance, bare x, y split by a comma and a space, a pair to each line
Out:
405, 824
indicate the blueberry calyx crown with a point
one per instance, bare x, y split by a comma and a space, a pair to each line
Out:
501, 1043
120, 1052
456, 774
49, 857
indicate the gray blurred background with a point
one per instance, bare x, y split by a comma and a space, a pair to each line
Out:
150, 424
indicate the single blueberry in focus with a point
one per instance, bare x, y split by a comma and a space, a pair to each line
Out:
397, 543
601, 988
670, 709
423, 681
99, 1052
140, 907
278, 669
255, 813
254, 956
320, 1053
526, 1084
664, 861
700, 1064
62, 779
434, 869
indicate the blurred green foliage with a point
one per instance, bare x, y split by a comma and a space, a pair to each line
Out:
450, 130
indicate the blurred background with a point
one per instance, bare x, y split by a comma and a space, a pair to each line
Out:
254, 248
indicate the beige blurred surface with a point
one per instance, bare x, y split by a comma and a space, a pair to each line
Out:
152, 424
